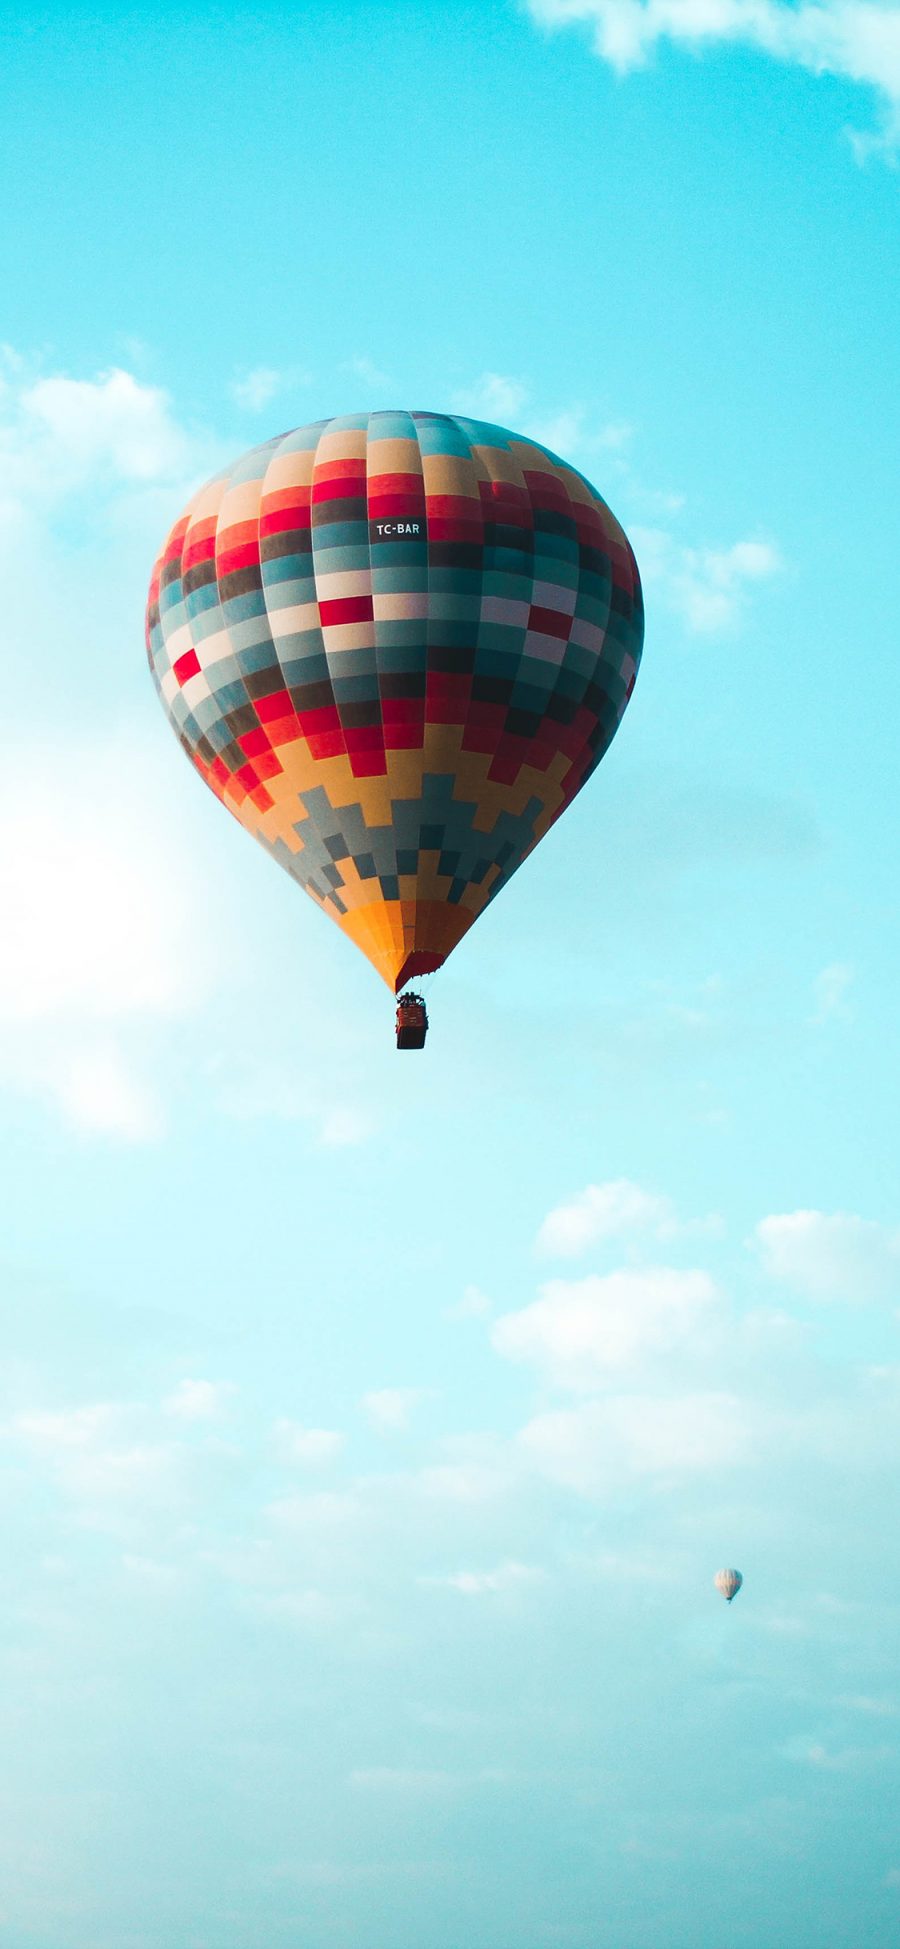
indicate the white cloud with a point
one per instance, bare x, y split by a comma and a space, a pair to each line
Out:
496, 397
501, 398
615, 435
473, 1305
324, 1511
256, 388
266, 1091
294, 1607
590, 1448
465, 1483
97, 1458
198, 1400
873, 1708
830, 990
104, 929
112, 435
478, 1583
64, 1430
806, 1751
269, 1094
830, 1255
858, 40
100, 910
59, 436
149, 1571
706, 587
98, 1094
370, 373
655, 500
580, 1332
12, 365
110, 423
563, 433
766, 1330
311, 1447
343, 1126
388, 1409
631, 1567
571, 432
604, 1211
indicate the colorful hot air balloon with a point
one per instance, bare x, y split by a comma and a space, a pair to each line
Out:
396, 645
728, 1582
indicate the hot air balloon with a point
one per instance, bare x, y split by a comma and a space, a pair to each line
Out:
728, 1582
395, 645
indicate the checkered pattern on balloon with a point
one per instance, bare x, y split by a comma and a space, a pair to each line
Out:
396, 645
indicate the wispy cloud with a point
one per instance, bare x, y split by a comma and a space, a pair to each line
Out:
580, 1332
198, 1400
99, 912
257, 388
103, 931
857, 40
105, 1461
601, 1212
497, 397
509, 1575
149, 1571
371, 374
62, 435
592, 1447
575, 432
706, 587
830, 990
830, 1255
472, 1305
388, 1409
113, 422
805, 1750
571, 431
343, 1126
466, 1483
98, 1091
872, 1708
308, 1447
294, 1607
265, 1090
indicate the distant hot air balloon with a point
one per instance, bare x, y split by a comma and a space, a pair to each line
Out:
396, 645
729, 1583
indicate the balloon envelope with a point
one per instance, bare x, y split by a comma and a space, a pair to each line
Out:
395, 645
729, 1583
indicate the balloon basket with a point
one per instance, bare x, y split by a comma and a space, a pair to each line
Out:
412, 1022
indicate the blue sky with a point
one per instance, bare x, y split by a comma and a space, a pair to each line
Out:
370, 1431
